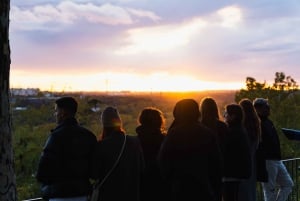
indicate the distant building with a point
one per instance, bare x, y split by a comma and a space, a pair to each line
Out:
24, 92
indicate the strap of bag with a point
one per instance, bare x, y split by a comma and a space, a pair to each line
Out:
99, 183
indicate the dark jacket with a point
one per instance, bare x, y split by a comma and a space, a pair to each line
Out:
153, 186
64, 168
220, 130
124, 181
190, 161
237, 156
270, 140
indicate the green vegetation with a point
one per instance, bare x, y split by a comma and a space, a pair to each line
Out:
32, 126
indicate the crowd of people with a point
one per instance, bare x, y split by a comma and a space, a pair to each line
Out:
201, 156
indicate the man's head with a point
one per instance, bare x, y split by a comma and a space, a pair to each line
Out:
262, 107
65, 107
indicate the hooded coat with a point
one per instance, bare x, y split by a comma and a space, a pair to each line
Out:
190, 159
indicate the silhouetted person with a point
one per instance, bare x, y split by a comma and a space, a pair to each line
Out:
247, 189
190, 158
124, 181
64, 168
237, 157
279, 184
151, 133
210, 118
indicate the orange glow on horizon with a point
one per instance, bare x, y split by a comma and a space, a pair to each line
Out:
156, 82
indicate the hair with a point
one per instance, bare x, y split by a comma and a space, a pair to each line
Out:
185, 111
262, 107
209, 112
236, 111
111, 122
258, 102
110, 117
251, 119
152, 117
67, 103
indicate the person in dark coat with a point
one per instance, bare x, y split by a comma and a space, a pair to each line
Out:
151, 133
279, 184
211, 119
64, 167
190, 158
125, 180
237, 157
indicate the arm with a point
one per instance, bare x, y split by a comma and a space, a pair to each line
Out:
48, 166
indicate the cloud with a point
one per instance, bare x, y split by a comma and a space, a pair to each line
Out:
51, 17
171, 36
146, 14
230, 16
160, 38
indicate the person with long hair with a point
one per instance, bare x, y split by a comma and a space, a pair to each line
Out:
210, 118
247, 189
237, 158
125, 179
189, 158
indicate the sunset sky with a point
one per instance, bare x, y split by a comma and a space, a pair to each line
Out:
152, 45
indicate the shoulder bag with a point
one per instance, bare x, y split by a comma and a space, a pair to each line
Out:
95, 193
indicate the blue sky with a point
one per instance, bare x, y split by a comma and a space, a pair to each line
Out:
152, 45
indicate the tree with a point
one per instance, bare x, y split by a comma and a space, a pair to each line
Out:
7, 176
252, 84
253, 89
282, 82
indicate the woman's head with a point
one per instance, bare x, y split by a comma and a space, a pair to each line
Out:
233, 114
186, 110
209, 109
110, 117
252, 121
111, 121
152, 117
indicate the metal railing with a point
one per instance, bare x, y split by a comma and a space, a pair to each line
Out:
293, 166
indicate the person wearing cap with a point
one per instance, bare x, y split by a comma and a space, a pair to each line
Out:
279, 184
190, 159
64, 168
124, 181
